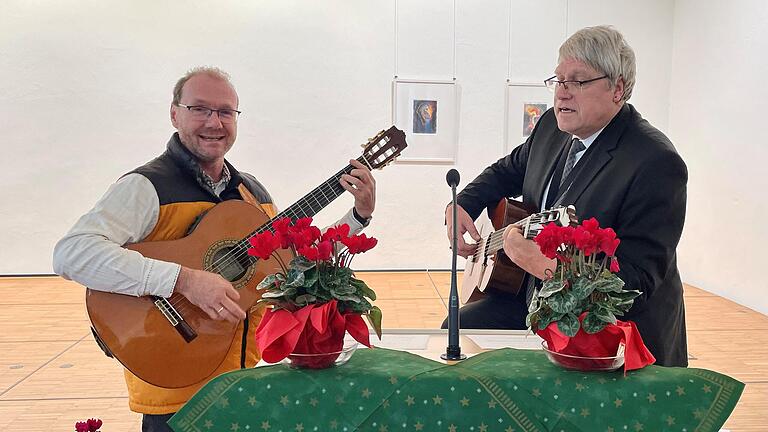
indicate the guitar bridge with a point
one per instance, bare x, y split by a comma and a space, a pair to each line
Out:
174, 317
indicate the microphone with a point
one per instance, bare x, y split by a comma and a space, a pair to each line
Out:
453, 351
452, 178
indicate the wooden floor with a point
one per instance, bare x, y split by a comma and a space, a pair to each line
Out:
53, 374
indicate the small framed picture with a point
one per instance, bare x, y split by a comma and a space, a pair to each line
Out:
526, 103
427, 111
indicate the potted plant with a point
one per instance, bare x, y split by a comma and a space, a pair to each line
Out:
575, 310
316, 298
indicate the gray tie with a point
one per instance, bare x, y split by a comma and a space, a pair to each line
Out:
576, 147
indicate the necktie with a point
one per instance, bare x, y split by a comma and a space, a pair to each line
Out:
576, 147
563, 168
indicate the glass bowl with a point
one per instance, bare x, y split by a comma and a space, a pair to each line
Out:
588, 364
322, 360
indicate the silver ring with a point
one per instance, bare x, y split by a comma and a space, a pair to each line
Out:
220, 309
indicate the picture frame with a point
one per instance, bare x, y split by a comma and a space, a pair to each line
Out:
427, 111
525, 103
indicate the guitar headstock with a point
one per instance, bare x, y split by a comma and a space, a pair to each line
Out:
562, 216
383, 148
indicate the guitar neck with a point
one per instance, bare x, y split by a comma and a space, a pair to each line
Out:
495, 241
311, 203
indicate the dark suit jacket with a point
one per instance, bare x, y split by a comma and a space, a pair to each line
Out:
630, 179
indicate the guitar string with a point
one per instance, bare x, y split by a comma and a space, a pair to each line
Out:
496, 239
302, 207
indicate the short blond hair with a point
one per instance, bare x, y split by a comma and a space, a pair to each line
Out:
200, 70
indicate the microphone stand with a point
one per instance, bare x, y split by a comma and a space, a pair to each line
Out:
453, 351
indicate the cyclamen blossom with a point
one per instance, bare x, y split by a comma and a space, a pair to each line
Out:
91, 425
359, 243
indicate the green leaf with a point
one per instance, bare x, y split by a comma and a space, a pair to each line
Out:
624, 307
267, 282
592, 324
551, 287
582, 287
304, 299
569, 325
609, 283
563, 302
302, 264
353, 297
374, 317
604, 315
310, 277
295, 278
626, 295
363, 288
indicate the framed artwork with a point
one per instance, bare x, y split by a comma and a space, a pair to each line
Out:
525, 105
426, 110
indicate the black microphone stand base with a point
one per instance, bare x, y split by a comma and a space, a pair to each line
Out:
453, 354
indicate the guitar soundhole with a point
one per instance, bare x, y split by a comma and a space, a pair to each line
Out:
231, 262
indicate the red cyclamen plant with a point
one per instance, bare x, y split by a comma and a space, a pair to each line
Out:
584, 281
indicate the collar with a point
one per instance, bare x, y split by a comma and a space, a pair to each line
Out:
187, 162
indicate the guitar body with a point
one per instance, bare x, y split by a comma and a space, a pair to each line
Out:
494, 270
140, 336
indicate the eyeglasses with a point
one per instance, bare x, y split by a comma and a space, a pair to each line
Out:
553, 83
200, 112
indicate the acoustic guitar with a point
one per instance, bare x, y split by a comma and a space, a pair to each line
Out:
489, 266
171, 343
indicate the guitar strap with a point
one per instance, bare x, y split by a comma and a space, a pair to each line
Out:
250, 199
247, 196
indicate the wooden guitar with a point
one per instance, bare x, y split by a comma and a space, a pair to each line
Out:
171, 343
490, 266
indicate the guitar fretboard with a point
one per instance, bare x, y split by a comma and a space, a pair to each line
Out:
532, 225
308, 206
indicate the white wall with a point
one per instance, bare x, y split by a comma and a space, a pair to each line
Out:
718, 72
85, 88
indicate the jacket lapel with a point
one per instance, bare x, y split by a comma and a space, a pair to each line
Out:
600, 155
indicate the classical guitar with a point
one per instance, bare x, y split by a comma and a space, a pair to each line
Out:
489, 266
171, 343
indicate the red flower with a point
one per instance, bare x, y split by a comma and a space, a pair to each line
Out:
301, 234
94, 425
91, 425
586, 240
324, 250
608, 241
281, 225
550, 238
263, 244
321, 252
614, 265
359, 243
337, 233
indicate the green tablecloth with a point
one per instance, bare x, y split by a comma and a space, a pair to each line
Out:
506, 390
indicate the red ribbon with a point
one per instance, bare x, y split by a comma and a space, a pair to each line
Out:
604, 343
313, 329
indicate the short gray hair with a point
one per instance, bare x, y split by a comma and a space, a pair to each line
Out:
207, 70
605, 50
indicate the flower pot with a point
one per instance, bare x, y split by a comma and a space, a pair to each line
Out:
585, 363
321, 360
